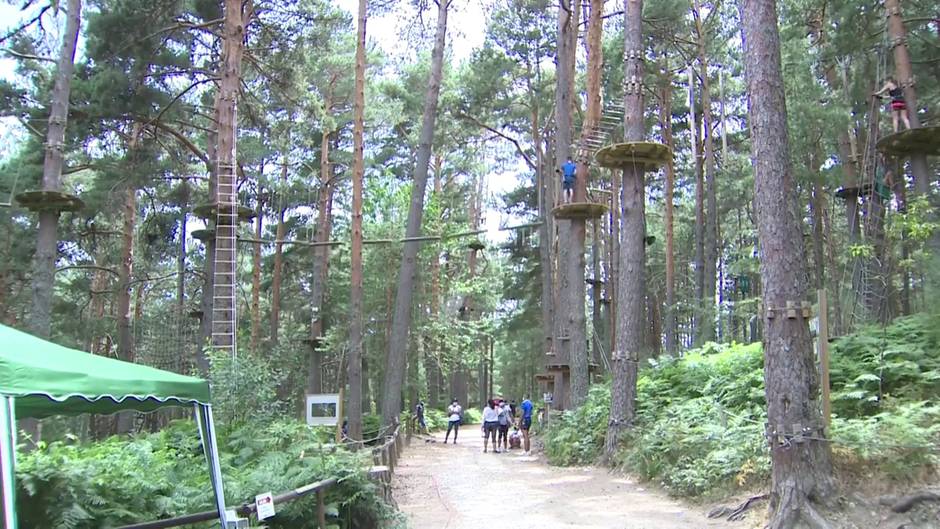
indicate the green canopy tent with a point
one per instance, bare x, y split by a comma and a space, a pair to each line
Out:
39, 379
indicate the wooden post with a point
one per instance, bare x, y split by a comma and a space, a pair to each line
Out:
321, 509
339, 418
823, 339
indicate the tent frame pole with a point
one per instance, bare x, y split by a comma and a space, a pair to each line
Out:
210, 448
8, 460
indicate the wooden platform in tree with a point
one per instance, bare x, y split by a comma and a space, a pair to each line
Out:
207, 234
544, 376
476, 245
923, 140
565, 367
579, 210
49, 201
649, 155
210, 211
853, 192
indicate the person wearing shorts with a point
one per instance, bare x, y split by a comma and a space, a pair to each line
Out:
505, 420
526, 425
898, 104
568, 173
490, 425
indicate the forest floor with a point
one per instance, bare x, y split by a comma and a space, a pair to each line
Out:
450, 486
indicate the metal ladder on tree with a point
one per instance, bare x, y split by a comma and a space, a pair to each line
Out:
598, 136
223, 284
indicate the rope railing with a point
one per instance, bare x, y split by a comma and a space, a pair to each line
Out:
385, 457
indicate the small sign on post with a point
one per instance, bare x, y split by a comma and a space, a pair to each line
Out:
265, 505
323, 409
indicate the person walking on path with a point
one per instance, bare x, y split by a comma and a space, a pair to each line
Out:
419, 415
526, 424
505, 420
454, 412
490, 425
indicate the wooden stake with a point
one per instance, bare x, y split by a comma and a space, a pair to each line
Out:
339, 418
823, 339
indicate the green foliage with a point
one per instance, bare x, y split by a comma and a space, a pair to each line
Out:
121, 481
699, 424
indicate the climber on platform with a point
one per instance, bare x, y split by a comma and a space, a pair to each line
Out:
568, 170
898, 105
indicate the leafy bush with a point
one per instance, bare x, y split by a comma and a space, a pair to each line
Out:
121, 481
699, 423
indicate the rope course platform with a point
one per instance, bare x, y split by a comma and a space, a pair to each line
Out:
211, 211
923, 140
208, 234
853, 191
592, 367
544, 376
476, 244
579, 210
39, 201
648, 154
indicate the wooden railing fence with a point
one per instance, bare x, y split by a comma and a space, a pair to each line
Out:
384, 456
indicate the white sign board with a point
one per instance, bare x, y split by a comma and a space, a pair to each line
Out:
265, 505
323, 409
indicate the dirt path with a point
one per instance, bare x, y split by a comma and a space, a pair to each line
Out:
459, 487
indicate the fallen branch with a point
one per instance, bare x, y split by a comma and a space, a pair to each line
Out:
737, 513
909, 502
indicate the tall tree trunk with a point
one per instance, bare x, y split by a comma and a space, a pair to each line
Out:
711, 190
125, 273
905, 77
43, 278
278, 272
321, 262
181, 345
818, 206
356, 362
699, 320
801, 469
631, 298
433, 350
572, 284
395, 371
223, 316
256, 271
565, 316
665, 121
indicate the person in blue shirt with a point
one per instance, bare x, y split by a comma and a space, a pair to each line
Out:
568, 170
526, 424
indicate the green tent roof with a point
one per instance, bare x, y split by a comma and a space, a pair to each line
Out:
48, 379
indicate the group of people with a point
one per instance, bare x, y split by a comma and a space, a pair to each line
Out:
499, 416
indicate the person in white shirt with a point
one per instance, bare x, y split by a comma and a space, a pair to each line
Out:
454, 412
490, 425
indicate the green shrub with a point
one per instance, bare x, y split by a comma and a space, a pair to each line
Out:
700, 417
126, 480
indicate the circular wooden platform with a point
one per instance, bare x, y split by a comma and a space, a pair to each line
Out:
923, 140
476, 245
646, 154
49, 201
853, 192
210, 212
579, 210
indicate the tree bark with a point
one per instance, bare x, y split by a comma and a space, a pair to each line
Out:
665, 120
573, 292
256, 272
566, 327
355, 361
43, 280
223, 315
905, 77
321, 261
125, 272
710, 253
395, 371
278, 272
698, 319
801, 468
631, 298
